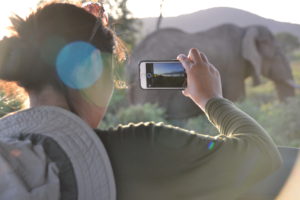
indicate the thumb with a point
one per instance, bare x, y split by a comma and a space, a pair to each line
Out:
186, 63
185, 93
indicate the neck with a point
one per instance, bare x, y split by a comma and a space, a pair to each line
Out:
88, 112
47, 96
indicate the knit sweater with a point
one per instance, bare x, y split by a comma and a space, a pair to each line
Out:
163, 162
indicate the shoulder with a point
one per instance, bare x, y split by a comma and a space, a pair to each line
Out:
151, 134
141, 129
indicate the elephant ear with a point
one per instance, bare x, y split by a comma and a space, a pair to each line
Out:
251, 54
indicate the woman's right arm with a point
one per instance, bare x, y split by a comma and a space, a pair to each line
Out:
157, 161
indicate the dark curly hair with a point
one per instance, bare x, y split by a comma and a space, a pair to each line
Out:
28, 57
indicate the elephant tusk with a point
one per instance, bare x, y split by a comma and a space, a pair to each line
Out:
292, 84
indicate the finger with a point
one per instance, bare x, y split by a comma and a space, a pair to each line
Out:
186, 63
212, 68
194, 54
204, 57
185, 93
182, 57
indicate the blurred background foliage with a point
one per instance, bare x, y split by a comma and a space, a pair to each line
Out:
288, 43
281, 120
12, 98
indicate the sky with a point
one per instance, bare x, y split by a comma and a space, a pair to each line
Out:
162, 68
285, 11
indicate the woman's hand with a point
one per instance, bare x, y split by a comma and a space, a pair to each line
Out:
203, 79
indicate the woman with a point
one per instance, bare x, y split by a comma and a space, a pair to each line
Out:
61, 54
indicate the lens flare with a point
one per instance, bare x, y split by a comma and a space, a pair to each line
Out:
211, 145
79, 65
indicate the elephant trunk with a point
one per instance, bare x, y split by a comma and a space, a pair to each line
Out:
292, 84
281, 74
284, 89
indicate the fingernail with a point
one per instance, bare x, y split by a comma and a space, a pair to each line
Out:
181, 57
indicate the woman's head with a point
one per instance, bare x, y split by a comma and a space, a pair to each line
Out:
59, 46
29, 57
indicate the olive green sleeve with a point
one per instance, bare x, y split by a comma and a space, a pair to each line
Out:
162, 162
235, 125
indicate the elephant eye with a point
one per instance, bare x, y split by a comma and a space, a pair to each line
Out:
264, 41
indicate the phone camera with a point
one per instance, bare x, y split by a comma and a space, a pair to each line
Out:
149, 75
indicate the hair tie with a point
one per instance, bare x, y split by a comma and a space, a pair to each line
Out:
98, 11
94, 31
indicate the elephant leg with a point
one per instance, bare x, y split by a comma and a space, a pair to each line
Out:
233, 88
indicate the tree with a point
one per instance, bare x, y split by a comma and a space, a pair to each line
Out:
288, 42
160, 18
123, 23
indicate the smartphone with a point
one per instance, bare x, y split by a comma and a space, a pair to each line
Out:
162, 74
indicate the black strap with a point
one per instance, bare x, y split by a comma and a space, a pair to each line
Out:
67, 179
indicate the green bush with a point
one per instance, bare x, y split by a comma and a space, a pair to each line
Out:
135, 114
251, 107
12, 98
117, 101
263, 93
202, 125
282, 122
8, 105
296, 55
296, 70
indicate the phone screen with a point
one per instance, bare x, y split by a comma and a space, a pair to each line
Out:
165, 75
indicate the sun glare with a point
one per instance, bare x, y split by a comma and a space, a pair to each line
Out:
144, 8
22, 8
286, 12
4, 22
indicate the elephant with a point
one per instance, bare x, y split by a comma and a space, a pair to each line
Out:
237, 52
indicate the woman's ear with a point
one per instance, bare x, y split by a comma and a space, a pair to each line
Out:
251, 54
